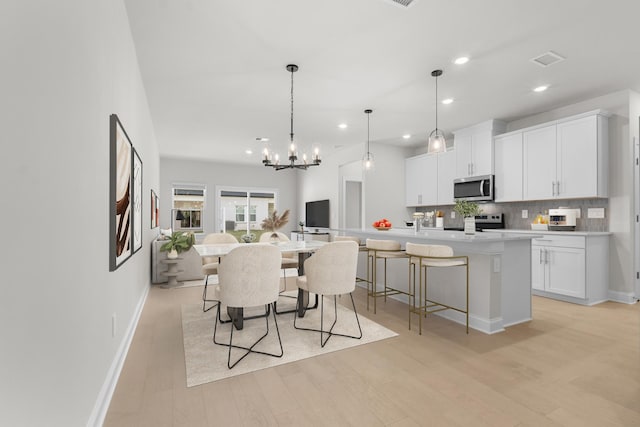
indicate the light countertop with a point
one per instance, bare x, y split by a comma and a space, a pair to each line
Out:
443, 235
550, 232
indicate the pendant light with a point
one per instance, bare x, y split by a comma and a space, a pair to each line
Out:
293, 154
437, 142
367, 159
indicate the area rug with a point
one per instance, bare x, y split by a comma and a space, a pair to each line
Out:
206, 361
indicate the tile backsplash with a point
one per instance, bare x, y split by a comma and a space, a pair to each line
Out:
513, 212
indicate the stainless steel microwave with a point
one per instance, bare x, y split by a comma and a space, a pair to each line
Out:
476, 188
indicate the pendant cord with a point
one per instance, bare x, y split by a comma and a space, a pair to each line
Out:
368, 117
291, 134
436, 105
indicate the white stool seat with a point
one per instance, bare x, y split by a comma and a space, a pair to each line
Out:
385, 250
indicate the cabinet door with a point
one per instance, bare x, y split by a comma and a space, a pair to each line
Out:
482, 153
429, 179
462, 144
538, 267
508, 168
446, 175
539, 163
566, 269
577, 158
413, 181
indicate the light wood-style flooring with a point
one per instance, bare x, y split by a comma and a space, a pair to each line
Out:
570, 366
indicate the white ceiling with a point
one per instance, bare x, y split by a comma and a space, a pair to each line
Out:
214, 70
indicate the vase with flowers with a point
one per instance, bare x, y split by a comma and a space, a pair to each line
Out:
274, 222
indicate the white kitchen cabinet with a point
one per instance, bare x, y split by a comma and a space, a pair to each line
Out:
508, 167
570, 268
566, 159
474, 148
421, 180
429, 179
446, 175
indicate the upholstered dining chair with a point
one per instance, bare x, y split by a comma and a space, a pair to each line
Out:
210, 264
331, 271
249, 277
289, 259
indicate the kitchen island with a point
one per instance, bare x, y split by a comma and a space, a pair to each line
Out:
499, 274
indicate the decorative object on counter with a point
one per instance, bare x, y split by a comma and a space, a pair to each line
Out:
417, 220
367, 160
274, 222
293, 153
437, 141
382, 225
439, 219
540, 223
179, 242
468, 210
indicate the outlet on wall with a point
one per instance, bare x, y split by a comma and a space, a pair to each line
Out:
595, 213
113, 325
453, 214
525, 214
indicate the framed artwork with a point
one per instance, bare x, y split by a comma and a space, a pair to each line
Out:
155, 210
120, 193
136, 205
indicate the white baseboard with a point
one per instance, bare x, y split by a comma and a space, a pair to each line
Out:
108, 387
622, 297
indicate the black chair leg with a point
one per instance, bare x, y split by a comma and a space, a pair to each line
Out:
330, 332
251, 348
204, 297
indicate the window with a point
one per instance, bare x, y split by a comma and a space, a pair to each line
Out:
241, 210
240, 213
188, 207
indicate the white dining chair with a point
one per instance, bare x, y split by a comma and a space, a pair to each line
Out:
210, 264
249, 277
331, 271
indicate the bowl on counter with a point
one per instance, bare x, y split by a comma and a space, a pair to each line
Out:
382, 228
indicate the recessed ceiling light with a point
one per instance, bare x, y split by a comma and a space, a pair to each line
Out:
248, 151
541, 88
406, 136
262, 139
342, 125
447, 101
461, 60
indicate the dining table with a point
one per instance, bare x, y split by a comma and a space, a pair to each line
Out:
304, 249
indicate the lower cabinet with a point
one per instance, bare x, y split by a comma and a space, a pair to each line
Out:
307, 237
571, 268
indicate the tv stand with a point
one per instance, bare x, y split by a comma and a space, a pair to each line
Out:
308, 236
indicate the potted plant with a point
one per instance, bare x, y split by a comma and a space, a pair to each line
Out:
178, 242
468, 210
274, 222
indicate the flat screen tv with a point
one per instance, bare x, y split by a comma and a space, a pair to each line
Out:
317, 214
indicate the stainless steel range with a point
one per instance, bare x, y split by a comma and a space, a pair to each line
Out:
485, 222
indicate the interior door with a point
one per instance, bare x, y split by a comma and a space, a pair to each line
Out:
353, 204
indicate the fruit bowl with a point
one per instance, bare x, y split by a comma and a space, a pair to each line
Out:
382, 228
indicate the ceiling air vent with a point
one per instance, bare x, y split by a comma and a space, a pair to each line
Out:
405, 3
547, 59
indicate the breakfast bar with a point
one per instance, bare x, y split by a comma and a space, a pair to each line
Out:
499, 273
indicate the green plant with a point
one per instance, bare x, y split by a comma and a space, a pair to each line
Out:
180, 241
467, 209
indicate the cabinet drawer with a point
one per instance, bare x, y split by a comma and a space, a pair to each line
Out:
562, 241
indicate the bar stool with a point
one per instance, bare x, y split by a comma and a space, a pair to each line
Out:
381, 249
438, 256
361, 248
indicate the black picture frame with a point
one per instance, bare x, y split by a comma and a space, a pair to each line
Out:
136, 202
120, 192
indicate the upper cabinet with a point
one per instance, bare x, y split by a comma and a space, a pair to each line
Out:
566, 159
429, 179
508, 167
474, 148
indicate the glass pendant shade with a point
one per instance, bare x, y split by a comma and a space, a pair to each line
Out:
437, 142
368, 162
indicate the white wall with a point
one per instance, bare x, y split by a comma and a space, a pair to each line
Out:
66, 66
231, 175
383, 187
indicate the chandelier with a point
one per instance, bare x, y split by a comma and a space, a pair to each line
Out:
274, 162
